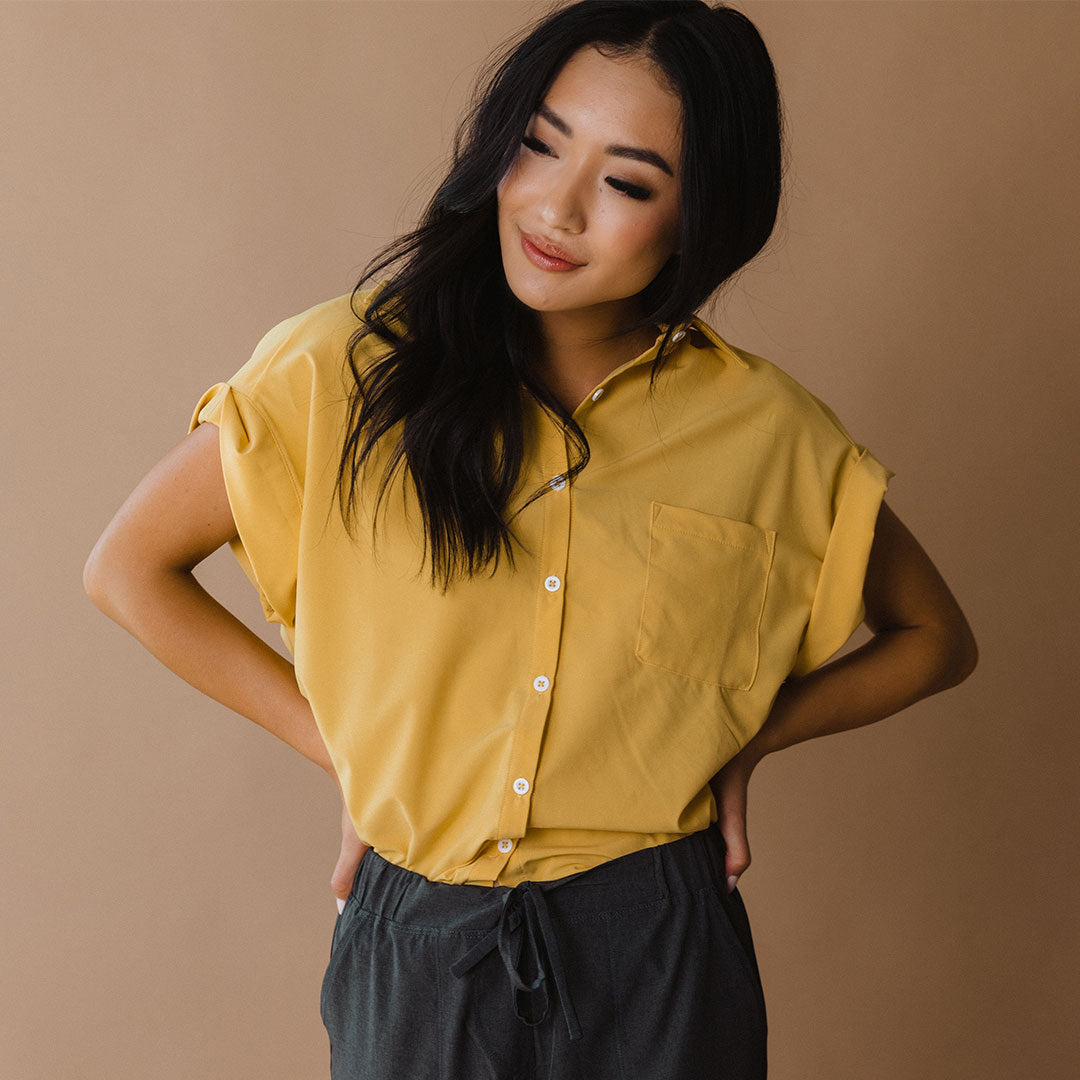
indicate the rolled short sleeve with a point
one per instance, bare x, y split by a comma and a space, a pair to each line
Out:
260, 415
264, 495
281, 410
838, 607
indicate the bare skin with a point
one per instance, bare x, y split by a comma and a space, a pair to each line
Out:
567, 186
139, 574
570, 185
922, 644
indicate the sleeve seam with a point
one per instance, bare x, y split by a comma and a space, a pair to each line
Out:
835, 422
289, 471
860, 455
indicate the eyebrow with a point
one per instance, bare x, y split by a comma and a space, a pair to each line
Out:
635, 153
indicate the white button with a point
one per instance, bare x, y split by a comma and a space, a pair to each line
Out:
541, 682
597, 393
678, 335
557, 483
505, 845
552, 583
521, 785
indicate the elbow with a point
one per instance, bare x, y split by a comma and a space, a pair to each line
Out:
102, 578
945, 655
969, 656
119, 582
95, 579
960, 655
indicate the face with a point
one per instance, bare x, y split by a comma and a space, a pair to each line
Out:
591, 179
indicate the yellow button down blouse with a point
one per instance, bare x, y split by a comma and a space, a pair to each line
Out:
542, 720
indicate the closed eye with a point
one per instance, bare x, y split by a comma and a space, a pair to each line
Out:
632, 191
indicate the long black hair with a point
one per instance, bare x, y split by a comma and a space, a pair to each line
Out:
459, 346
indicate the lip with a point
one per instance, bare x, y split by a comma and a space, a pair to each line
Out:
545, 255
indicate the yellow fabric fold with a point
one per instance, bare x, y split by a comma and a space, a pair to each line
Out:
265, 498
542, 718
838, 606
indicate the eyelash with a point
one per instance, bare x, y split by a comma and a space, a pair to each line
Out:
631, 191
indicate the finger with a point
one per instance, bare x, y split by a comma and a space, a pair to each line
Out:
348, 862
737, 857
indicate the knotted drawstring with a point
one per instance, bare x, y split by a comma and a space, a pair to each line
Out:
527, 897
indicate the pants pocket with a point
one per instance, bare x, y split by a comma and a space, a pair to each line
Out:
380, 1001
344, 928
731, 908
688, 1008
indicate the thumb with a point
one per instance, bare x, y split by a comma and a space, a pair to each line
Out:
348, 862
737, 854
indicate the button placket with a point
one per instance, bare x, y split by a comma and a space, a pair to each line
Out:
524, 757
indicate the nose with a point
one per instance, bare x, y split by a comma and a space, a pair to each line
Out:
562, 206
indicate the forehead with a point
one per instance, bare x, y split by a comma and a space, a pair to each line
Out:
617, 100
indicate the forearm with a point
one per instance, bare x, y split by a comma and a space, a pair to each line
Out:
893, 670
178, 621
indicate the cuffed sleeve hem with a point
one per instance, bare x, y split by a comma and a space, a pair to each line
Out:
838, 606
264, 495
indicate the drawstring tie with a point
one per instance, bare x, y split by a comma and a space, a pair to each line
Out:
525, 903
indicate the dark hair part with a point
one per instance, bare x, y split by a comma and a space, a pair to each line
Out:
460, 342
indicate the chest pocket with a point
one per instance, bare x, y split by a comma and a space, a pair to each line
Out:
704, 595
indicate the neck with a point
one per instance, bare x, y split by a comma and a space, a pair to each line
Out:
571, 353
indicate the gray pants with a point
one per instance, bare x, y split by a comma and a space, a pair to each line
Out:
642, 968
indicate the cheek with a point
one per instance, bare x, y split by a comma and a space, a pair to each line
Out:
506, 204
514, 186
503, 189
640, 238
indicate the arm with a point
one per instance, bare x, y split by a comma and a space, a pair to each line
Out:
922, 644
139, 574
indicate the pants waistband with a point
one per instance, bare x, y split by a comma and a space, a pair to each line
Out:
492, 915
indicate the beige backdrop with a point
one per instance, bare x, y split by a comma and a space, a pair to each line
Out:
180, 177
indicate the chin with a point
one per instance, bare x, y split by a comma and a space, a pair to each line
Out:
552, 295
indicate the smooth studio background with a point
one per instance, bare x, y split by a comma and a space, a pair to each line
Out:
180, 177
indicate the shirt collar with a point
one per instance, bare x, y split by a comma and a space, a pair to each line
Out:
697, 329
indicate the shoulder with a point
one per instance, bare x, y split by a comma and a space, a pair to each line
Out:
772, 400
297, 342
798, 408
305, 354
814, 438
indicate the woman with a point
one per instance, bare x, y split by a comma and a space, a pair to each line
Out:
557, 565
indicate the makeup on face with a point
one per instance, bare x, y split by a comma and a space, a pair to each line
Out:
589, 211
545, 254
